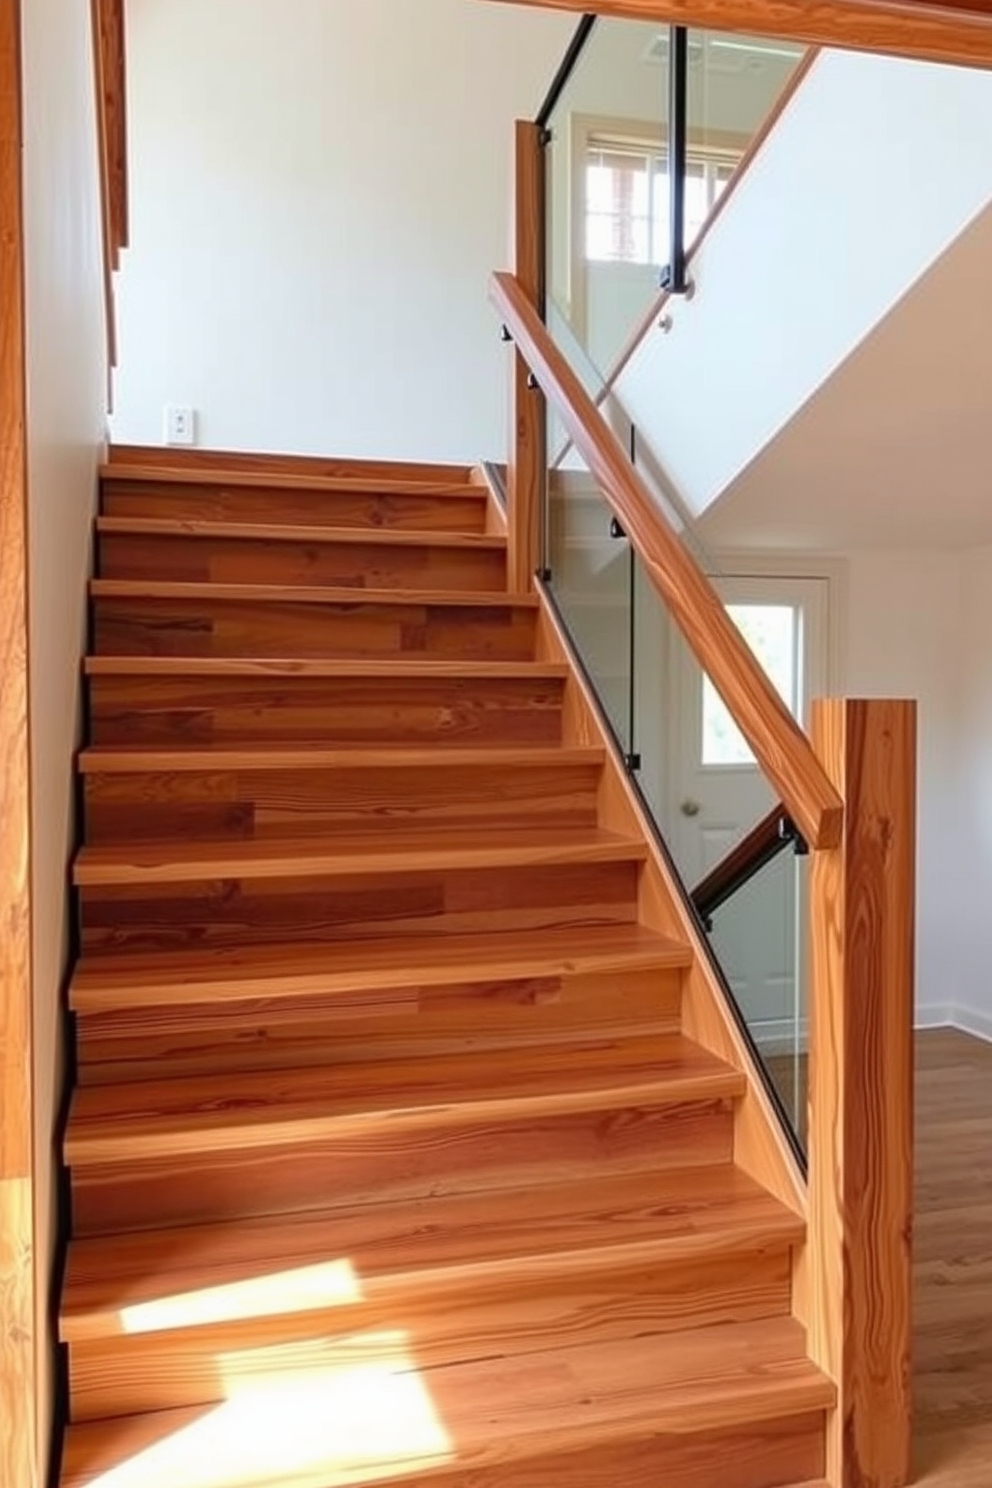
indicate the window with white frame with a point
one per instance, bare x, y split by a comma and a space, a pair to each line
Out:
627, 197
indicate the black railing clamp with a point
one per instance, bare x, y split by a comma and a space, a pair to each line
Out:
544, 574
533, 383
633, 763
546, 138
616, 529
789, 832
505, 334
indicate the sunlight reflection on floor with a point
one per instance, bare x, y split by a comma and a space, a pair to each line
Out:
349, 1424
329, 1284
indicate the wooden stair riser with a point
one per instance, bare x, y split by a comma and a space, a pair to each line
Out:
278, 628
258, 911
417, 1021
766, 1453
346, 565
411, 511
385, 1166
442, 1321
349, 711
246, 806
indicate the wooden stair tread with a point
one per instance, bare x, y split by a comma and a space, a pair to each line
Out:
308, 594
111, 759
122, 1123
469, 1416
126, 1283
244, 666
288, 480
295, 532
387, 850
352, 968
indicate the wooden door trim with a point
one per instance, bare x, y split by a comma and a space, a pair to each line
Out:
18, 1437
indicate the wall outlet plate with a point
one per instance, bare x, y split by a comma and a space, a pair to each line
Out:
180, 424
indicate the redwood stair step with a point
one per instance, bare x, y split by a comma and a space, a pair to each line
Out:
289, 667
699, 1409
108, 759
279, 532
367, 971
389, 851
212, 1274
307, 595
122, 1124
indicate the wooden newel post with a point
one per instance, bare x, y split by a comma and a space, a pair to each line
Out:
861, 1090
527, 420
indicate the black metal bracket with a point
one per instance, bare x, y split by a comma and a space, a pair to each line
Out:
546, 138
633, 762
544, 574
533, 383
505, 333
616, 529
789, 832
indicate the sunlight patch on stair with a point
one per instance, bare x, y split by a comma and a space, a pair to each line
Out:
327, 1284
322, 1428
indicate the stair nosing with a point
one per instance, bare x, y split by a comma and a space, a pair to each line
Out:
109, 759
192, 591
375, 853
289, 667
287, 532
180, 988
332, 485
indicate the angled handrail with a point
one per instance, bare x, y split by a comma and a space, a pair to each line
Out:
776, 740
569, 62
771, 836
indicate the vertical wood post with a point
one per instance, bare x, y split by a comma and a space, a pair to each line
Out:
18, 1419
861, 1091
527, 415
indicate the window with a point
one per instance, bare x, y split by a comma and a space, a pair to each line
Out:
627, 198
774, 634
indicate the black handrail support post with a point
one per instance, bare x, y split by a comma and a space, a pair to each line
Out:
674, 278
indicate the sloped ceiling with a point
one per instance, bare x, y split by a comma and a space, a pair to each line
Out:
895, 450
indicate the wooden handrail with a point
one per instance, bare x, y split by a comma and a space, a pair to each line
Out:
764, 841
776, 740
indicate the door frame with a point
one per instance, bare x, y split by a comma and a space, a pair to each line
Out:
19, 1447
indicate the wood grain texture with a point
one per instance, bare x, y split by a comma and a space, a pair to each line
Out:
18, 1424
362, 973
499, 1414
935, 30
255, 620
301, 799
777, 741
322, 467
527, 464
861, 1094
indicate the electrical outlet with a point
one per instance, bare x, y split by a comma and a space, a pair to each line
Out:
180, 424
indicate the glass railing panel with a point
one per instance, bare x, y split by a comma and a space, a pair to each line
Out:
759, 939
707, 795
591, 577
609, 177
605, 219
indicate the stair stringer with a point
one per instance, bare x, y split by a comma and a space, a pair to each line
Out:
761, 1148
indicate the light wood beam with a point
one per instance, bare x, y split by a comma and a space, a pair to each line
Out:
861, 1091
935, 30
18, 1464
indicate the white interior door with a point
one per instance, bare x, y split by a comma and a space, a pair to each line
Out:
718, 793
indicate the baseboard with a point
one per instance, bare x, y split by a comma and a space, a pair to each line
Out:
955, 1015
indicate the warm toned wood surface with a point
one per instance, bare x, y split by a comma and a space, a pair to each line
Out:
778, 742
237, 462
181, 481
119, 1123
526, 462
18, 1394
361, 972
253, 620
302, 799
862, 911
937, 30
497, 1412
97, 760
255, 553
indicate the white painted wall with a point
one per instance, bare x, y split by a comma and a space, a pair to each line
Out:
876, 169
319, 194
66, 402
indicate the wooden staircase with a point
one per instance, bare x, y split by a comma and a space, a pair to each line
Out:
391, 1158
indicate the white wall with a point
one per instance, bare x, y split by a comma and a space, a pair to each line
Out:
320, 191
66, 400
877, 166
